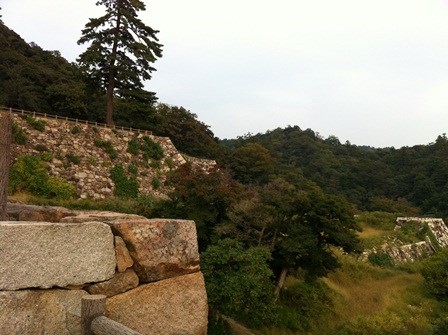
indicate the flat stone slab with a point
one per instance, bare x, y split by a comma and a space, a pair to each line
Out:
31, 312
160, 248
102, 216
120, 283
42, 254
171, 307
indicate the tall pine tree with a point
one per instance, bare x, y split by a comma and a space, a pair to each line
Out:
121, 52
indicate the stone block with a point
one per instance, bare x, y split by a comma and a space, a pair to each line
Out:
124, 260
101, 216
119, 283
160, 248
170, 307
40, 254
30, 312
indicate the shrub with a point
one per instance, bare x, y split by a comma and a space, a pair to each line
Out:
133, 169
107, 146
35, 124
40, 147
381, 259
435, 272
151, 149
72, 158
18, 135
169, 162
30, 173
133, 146
155, 182
125, 187
76, 130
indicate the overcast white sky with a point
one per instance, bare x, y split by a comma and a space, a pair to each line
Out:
372, 72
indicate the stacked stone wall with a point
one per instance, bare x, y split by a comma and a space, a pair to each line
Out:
148, 269
76, 158
422, 249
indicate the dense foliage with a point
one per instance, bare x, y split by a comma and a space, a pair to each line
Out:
385, 179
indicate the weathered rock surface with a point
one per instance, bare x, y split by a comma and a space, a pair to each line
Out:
160, 248
22, 212
119, 283
170, 307
124, 260
39, 254
48, 312
101, 216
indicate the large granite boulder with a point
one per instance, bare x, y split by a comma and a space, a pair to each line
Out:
160, 248
170, 307
49, 312
39, 254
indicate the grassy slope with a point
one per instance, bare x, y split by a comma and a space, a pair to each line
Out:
369, 300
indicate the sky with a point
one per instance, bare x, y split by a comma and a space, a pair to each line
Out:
372, 72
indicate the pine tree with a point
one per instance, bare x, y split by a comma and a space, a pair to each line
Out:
121, 52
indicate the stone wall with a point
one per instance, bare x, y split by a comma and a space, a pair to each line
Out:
76, 158
421, 249
148, 269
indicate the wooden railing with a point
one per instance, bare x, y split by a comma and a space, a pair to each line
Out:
75, 121
93, 321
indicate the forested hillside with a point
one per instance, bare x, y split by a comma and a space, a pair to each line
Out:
385, 179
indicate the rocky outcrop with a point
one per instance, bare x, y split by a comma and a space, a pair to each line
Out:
49, 312
53, 254
170, 307
160, 248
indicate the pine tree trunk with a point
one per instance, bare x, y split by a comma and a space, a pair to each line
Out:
5, 158
280, 283
111, 79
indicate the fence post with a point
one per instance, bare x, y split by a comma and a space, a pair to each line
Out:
92, 306
5, 158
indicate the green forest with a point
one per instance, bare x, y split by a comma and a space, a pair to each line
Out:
284, 219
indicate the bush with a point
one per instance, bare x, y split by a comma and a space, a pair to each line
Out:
381, 259
72, 158
30, 174
125, 187
18, 135
435, 273
40, 147
76, 130
302, 303
133, 169
35, 124
133, 146
151, 149
155, 182
107, 146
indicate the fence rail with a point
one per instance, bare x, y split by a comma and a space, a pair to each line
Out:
75, 121
93, 321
